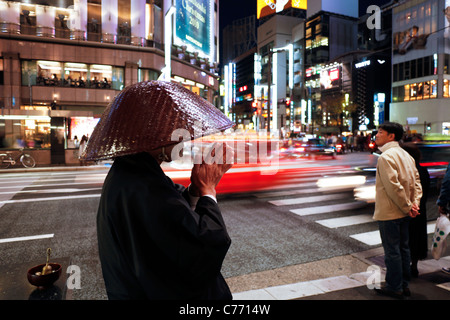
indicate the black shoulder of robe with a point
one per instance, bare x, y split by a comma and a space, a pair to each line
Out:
152, 245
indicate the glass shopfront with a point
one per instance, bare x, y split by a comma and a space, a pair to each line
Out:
69, 74
28, 129
415, 91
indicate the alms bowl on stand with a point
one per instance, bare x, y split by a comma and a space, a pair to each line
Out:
36, 278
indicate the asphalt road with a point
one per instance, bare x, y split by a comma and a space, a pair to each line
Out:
289, 224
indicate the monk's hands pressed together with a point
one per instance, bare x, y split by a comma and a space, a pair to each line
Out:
209, 168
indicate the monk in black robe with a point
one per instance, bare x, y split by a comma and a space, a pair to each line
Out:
152, 244
156, 239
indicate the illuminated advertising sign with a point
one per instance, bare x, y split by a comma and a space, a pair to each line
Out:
329, 78
194, 26
268, 7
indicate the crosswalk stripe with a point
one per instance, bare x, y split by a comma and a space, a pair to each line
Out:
283, 193
287, 202
52, 198
346, 221
329, 208
42, 236
373, 237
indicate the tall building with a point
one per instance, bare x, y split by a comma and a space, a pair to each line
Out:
328, 37
63, 62
238, 38
372, 69
275, 56
420, 66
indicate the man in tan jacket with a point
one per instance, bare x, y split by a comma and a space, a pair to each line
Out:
398, 193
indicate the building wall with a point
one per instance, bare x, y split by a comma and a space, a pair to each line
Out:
278, 31
421, 65
345, 7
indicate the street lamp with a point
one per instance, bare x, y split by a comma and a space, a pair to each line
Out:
273, 59
167, 71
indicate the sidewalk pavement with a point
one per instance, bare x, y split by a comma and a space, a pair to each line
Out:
432, 283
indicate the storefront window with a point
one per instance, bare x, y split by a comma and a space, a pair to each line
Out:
79, 127
100, 76
117, 78
52, 73
446, 88
24, 132
49, 73
35, 131
446, 128
75, 74
407, 92
1, 72
426, 90
433, 93
418, 91
147, 75
414, 91
29, 73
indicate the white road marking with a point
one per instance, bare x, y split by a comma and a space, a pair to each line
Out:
330, 208
287, 202
66, 190
370, 238
373, 238
52, 198
42, 236
346, 221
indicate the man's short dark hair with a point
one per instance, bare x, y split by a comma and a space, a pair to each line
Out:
393, 127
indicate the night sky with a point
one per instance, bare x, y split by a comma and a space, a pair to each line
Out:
231, 10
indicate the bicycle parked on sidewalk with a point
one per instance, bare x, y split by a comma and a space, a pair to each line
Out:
7, 159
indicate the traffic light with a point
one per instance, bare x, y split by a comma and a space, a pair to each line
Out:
255, 106
428, 126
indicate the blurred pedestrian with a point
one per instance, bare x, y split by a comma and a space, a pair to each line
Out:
418, 235
82, 147
158, 239
443, 201
398, 193
350, 141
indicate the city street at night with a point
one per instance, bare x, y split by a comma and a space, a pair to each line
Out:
307, 227
219, 150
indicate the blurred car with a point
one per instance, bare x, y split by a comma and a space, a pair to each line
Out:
435, 157
313, 147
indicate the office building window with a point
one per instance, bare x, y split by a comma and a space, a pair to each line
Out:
417, 68
147, 75
446, 64
446, 91
1, 72
49, 73
415, 91
69, 74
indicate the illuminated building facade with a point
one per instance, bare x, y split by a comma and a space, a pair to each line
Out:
63, 62
420, 66
328, 36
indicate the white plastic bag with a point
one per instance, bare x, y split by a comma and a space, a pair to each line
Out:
441, 232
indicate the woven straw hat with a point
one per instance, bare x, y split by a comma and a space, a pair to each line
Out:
143, 117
